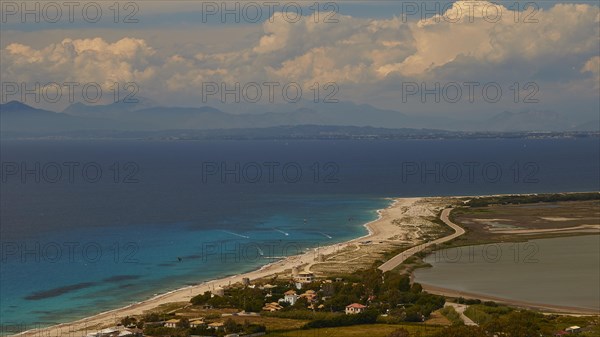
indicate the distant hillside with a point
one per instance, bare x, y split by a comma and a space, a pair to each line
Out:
295, 132
17, 118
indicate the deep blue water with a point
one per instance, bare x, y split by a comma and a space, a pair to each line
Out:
73, 246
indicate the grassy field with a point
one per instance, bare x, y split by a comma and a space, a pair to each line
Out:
375, 330
272, 323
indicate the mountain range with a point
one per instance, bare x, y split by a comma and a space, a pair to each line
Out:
17, 117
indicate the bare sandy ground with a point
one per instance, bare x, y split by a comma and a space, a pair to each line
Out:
380, 229
398, 259
582, 229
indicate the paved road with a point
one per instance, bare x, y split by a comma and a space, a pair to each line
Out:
398, 259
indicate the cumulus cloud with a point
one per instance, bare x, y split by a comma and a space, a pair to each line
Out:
354, 51
592, 65
81, 60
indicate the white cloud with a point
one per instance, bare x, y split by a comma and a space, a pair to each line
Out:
592, 65
354, 51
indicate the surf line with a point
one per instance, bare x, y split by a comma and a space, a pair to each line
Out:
236, 234
280, 231
325, 235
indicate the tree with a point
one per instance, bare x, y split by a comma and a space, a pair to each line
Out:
201, 299
413, 314
416, 288
516, 324
127, 321
301, 303
404, 284
183, 323
151, 317
230, 325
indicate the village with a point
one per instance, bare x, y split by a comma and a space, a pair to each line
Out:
271, 307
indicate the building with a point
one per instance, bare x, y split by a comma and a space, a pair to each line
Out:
172, 323
108, 332
310, 295
355, 308
116, 332
218, 292
573, 329
568, 331
305, 277
268, 287
290, 297
273, 306
198, 322
218, 326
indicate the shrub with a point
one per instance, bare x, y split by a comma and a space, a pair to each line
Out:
452, 315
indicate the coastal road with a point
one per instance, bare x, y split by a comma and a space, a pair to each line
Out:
398, 259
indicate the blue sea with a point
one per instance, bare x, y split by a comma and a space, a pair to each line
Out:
89, 226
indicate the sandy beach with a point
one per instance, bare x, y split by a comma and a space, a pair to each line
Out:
380, 229
404, 221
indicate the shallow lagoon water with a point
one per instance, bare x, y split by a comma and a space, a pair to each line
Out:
557, 271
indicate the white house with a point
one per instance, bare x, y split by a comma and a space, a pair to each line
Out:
290, 297
218, 326
355, 308
172, 323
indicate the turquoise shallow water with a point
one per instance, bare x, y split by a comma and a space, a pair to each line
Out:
557, 271
71, 249
117, 265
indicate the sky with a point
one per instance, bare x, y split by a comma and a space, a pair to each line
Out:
472, 59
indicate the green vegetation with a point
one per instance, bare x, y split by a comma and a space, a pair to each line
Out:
452, 315
530, 199
247, 299
483, 314
393, 303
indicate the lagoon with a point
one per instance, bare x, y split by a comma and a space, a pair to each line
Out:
558, 271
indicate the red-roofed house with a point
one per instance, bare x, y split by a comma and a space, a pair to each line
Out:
355, 308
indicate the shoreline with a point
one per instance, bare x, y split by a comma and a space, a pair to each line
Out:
184, 294
381, 228
546, 308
